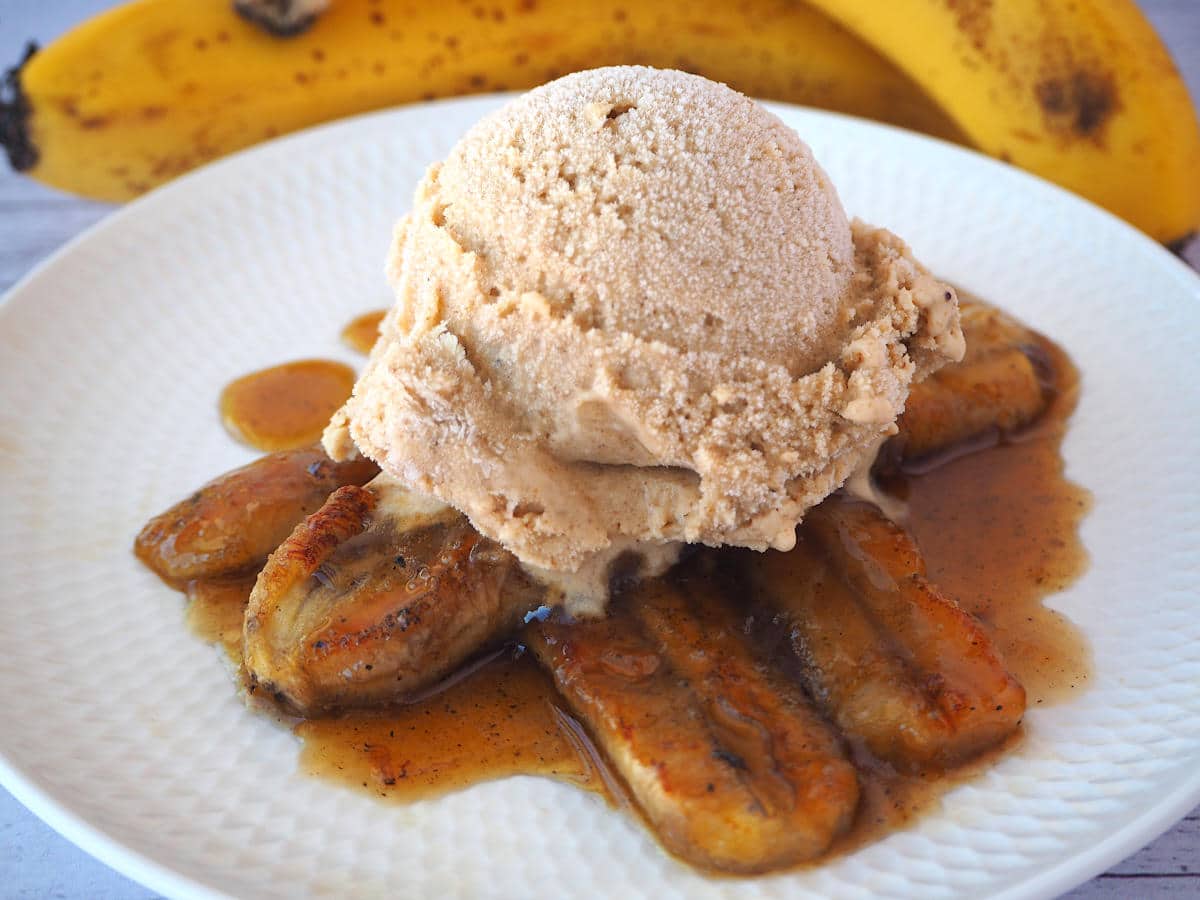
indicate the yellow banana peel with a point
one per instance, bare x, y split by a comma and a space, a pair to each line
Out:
154, 88
1082, 93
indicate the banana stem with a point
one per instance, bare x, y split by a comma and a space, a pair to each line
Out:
281, 18
15, 110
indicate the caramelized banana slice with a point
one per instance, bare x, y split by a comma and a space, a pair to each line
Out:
997, 388
845, 663
1000, 393
232, 523
729, 764
380, 593
896, 662
800, 775
959, 668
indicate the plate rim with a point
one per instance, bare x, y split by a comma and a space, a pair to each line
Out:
158, 876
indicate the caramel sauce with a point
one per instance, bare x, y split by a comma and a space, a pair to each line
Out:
999, 531
285, 406
998, 528
215, 612
890, 800
502, 719
361, 333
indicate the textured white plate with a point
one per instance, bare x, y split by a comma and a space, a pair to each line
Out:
124, 732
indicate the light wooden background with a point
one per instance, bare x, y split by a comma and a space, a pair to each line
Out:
35, 862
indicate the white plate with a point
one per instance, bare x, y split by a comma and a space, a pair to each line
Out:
124, 732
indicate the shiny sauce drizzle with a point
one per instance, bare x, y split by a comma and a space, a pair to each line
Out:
999, 531
216, 610
361, 333
504, 718
287, 406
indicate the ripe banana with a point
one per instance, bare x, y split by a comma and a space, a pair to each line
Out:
157, 87
1082, 93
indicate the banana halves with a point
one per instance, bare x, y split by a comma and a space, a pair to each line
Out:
154, 88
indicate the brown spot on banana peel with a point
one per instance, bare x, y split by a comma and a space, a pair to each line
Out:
1078, 103
15, 111
973, 18
1076, 98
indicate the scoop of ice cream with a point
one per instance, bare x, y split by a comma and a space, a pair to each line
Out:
631, 313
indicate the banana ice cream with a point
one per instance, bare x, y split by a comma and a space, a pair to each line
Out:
631, 314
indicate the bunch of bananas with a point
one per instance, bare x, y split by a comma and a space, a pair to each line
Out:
1081, 93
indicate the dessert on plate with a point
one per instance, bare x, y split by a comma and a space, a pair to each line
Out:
631, 314
626, 420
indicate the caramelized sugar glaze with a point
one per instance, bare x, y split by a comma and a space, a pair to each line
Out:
361, 332
288, 406
1000, 531
285, 406
997, 524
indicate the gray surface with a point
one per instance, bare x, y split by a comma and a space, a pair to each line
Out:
35, 862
